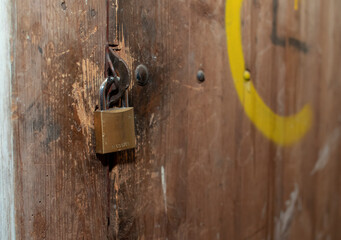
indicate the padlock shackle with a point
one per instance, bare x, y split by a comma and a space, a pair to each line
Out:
125, 100
102, 95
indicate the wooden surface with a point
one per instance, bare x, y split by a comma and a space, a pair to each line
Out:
7, 221
201, 169
61, 186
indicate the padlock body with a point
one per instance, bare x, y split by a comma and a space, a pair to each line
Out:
114, 130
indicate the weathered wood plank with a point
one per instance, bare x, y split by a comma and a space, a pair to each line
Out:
7, 218
61, 186
202, 169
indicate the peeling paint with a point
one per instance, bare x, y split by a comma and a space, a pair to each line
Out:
283, 223
164, 187
151, 121
325, 152
83, 114
91, 33
83, 101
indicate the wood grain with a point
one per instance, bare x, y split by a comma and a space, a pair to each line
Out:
7, 218
61, 186
201, 169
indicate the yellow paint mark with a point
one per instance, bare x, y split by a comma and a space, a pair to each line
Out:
283, 130
296, 5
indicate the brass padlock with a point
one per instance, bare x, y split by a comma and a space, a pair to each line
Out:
114, 127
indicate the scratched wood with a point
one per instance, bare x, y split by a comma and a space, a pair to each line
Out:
61, 186
202, 170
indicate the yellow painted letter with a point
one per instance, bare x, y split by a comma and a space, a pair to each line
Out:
283, 130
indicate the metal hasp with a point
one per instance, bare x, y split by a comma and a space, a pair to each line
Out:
118, 78
114, 126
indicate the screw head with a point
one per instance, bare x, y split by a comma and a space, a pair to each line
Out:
141, 75
201, 76
247, 75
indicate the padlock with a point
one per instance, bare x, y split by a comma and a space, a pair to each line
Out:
114, 127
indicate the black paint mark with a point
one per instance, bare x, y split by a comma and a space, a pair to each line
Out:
53, 133
298, 45
44, 122
274, 38
281, 41
40, 50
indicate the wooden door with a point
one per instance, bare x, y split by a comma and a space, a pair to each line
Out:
251, 152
